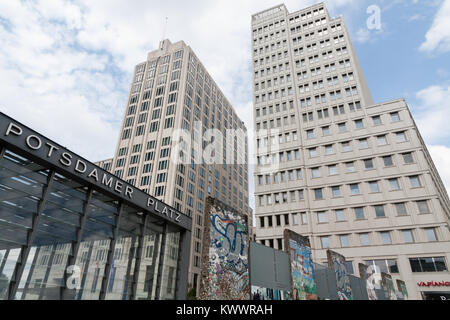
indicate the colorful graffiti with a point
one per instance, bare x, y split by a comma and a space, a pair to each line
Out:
337, 263
401, 285
302, 270
261, 293
367, 275
225, 254
388, 285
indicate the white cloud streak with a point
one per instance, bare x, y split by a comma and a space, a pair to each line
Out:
438, 37
65, 66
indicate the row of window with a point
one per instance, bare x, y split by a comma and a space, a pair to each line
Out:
317, 172
400, 209
335, 191
382, 140
276, 123
404, 236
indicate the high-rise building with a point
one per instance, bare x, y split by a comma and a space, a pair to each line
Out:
172, 99
354, 176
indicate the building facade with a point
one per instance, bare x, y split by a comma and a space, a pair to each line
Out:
173, 98
70, 230
354, 176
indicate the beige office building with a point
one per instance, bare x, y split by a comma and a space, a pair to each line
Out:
354, 176
172, 91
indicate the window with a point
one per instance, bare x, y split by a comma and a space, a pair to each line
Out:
394, 184
354, 188
313, 152
382, 140
325, 241
340, 215
373, 185
295, 219
388, 161
310, 134
385, 237
368, 163
350, 166
423, 207
321, 217
376, 120
304, 218
408, 158
428, 264
364, 239
386, 266
342, 127
415, 181
363, 144
329, 149
431, 234
336, 191
344, 241
359, 124
326, 131
359, 213
395, 117
332, 170
315, 172
346, 147
401, 209
318, 194
379, 211
401, 137
407, 236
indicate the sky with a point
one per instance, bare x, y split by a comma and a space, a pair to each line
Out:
66, 66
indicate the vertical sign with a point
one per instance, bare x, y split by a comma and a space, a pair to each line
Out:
301, 265
224, 274
337, 263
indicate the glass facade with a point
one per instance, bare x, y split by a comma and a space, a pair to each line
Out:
63, 239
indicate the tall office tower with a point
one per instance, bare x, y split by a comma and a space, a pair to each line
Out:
354, 176
170, 91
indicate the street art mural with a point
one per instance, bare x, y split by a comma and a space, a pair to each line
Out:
224, 274
388, 285
301, 264
401, 285
337, 263
261, 293
367, 275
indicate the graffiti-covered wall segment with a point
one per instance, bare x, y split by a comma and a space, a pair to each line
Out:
224, 274
301, 264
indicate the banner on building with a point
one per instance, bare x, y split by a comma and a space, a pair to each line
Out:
224, 267
337, 263
367, 275
388, 286
301, 266
401, 285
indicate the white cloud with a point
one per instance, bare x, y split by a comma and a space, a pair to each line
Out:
441, 159
432, 114
65, 66
438, 37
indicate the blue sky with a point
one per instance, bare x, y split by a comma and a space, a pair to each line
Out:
65, 66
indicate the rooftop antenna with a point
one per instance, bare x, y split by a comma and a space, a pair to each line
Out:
165, 28
164, 35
